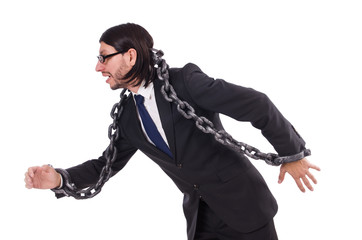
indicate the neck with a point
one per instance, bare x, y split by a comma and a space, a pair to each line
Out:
133, 89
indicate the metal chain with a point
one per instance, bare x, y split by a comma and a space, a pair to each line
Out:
186, 110
206, 126
69, 189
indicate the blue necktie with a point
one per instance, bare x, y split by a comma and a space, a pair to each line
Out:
150, 126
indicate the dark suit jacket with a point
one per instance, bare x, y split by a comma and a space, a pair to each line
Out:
202, 167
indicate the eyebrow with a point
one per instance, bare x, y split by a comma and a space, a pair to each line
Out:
103, 52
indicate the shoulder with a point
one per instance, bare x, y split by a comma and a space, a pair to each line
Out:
184, 71
190, 81
181, 79
188, 75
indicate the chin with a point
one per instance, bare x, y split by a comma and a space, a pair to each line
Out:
114, 87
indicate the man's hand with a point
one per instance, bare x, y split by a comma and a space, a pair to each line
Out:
44, 177
299, 170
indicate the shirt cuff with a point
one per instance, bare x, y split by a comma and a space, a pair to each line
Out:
61, 181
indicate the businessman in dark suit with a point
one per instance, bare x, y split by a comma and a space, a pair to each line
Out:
225, 197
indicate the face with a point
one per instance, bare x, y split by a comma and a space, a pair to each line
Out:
115, 67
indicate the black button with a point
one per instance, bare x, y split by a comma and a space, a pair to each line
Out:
196, 187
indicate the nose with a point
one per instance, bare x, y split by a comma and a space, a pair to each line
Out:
99, 66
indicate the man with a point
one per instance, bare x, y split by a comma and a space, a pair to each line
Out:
225, 197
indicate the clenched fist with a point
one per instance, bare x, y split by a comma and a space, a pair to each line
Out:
44, 177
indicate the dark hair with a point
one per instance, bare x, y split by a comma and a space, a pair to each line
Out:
125, 36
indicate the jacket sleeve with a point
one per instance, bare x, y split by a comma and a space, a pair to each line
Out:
243, 104
87, 174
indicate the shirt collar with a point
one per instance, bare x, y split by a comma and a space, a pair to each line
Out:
146, 92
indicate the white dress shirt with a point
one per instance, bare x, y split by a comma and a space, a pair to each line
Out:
151, 107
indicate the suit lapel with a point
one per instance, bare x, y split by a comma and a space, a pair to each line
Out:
133, 122
135, 129
165, 111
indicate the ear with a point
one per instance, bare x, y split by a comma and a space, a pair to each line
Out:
132, 53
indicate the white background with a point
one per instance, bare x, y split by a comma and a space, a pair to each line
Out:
305, 55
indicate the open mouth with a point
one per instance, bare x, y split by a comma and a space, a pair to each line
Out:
107, 80
105, 74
